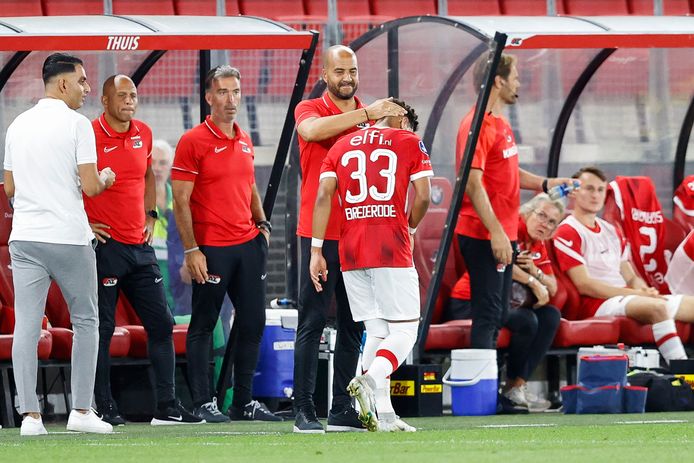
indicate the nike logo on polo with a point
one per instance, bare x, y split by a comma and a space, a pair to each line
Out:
219, 149
263, 276
177, 418
109, 149
568, 243
157, 280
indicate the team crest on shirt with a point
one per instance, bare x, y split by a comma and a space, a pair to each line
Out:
436, 194
109, 281
137, 144
244, 147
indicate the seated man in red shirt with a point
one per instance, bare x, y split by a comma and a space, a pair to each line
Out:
680, 272
594, 255
533, 328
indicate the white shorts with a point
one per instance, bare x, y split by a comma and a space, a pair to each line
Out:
617, 306
387, 293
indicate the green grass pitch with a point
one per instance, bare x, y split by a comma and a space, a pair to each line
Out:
536, 438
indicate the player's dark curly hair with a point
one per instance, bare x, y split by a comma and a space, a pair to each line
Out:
411, 115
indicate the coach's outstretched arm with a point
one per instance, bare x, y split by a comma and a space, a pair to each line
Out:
318, 267
321, 128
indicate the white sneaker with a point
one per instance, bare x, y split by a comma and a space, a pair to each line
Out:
535, 403
87, 422
396, 425
517, 396
362, 387
32, 427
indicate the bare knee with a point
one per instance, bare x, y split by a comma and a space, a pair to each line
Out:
659, 312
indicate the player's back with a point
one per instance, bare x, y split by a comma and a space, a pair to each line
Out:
373, 168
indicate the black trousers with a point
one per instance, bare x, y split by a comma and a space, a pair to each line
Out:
313, 309
532, 333
133, 268
242, 271
490, 291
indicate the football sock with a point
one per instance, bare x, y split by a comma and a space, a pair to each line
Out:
668, 342
393, 351
376, 332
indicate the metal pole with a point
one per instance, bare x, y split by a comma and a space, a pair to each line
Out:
658, 8
221, 8
551, 7
443, 8
108, 6
205, 65
393, 63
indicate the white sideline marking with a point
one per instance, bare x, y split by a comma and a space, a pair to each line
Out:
651, 422
531, 425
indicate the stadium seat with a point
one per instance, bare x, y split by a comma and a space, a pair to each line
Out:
596, 7
10, 8
133, 7
455, 334
401, 8
670, 7
683, 208
290, 11
528, 7
205, 7
6, 336
633, 333
575, 328
71, 7
473, 8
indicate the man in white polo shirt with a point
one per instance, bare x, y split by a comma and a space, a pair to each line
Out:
50, 159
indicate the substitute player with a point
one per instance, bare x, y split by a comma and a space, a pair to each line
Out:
371, 171
595, 256
122, 219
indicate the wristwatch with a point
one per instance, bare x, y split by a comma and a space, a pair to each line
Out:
264, 224
153, 214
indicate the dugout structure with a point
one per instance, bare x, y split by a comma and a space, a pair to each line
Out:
610, 90
167, 57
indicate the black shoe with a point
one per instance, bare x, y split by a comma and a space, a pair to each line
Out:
505, 407
108, 412
346, 420
252, 411
306, 422
210, 413
175, 415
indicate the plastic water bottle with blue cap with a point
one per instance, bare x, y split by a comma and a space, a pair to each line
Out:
563, 190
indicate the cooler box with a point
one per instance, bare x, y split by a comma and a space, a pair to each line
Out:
275, 371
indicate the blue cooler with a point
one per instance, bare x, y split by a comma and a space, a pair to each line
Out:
275, 371
473, 381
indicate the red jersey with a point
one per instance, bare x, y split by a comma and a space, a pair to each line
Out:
128, 154
496, 155
312, 155
537, 251
683, 212
641, 219
223, 172
374, 168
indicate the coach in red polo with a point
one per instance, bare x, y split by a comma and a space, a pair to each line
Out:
122, 219
225, 239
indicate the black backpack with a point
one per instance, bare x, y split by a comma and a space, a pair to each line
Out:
666, 393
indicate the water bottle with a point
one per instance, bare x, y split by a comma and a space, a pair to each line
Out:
560, 191
281, 303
